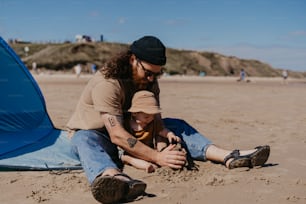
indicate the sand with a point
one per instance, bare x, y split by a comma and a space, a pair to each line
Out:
233, 115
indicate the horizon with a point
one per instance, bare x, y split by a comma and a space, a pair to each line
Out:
273, 32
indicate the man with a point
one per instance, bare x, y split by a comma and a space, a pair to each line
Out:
285, 76
97, 126
97, 122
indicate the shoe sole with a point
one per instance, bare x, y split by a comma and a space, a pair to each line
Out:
260, 157
113, 191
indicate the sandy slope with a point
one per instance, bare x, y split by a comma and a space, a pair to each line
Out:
232, 114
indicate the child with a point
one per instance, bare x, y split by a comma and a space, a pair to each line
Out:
142, 124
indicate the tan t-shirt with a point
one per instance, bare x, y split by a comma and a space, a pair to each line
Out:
103, 95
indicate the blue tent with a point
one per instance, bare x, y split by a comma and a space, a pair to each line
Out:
28, 139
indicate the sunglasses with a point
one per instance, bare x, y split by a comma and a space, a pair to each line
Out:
149, 73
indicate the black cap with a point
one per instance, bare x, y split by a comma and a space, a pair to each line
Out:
149, 49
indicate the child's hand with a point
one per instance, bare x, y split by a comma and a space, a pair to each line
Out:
173, 139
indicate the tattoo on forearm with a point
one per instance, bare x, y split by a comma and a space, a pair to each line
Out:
111, 121
132, 142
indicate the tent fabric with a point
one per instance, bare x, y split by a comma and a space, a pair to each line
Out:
28, 138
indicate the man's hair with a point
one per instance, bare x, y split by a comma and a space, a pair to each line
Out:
118, 67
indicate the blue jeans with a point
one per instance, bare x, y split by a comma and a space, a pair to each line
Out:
195, 143
97, 153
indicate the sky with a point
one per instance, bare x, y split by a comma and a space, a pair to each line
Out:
271, 31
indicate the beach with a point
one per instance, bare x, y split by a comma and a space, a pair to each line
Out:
234, 115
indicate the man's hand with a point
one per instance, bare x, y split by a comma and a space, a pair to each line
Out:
171, 158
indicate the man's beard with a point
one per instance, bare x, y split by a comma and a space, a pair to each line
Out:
140, 83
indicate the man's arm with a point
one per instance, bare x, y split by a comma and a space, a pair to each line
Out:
130, 144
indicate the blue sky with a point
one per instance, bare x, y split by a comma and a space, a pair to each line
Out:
272, 31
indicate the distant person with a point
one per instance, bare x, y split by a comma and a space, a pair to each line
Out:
34, 67
285, 76
143, 125
93, 68
242, 75
78, 70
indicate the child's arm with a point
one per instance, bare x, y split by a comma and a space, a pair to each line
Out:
139, 163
